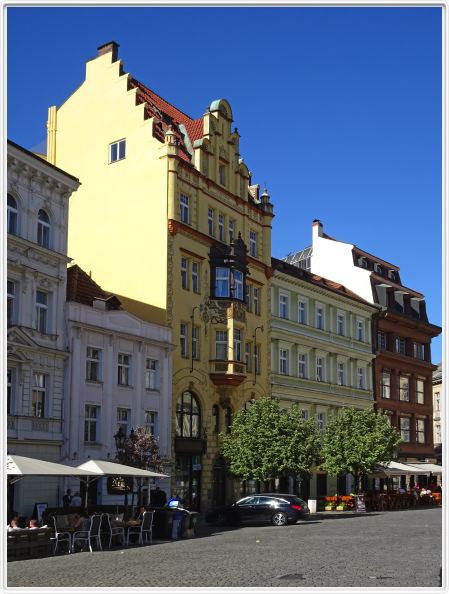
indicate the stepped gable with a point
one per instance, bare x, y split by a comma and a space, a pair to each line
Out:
81, 288
166, 114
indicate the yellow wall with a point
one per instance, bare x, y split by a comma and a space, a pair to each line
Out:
119, 213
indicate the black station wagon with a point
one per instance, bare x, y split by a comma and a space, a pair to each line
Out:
276, 508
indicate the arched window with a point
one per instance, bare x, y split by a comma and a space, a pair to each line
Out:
12, 215
216, 418
228, 419
43, 229
188, 416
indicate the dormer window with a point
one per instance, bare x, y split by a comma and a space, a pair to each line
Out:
378, 268
392, 275
363, 263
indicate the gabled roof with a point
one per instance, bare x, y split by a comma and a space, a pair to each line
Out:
317, 280
165, 114
82, 289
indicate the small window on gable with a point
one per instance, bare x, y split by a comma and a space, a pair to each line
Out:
117, 151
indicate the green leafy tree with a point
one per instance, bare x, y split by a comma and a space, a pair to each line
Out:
354, 441
267, 442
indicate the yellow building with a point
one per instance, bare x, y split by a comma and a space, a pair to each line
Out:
167, 215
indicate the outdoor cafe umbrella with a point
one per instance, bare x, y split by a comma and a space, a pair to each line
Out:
19, 466
106, 468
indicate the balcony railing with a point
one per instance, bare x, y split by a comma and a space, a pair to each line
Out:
227, 372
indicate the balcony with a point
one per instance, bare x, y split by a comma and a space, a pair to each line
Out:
227, 373
35, 428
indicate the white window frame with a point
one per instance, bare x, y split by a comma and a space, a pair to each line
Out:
151, 373
385, 386
120, 146
341, 380
196, 342
12, 216
340, 323
399, 342
124, 422
360, 330
302, 366
221, 226
283, 306
361, 378
42, 312
221, 345
320, 374
420, 430
404, 428
420, 400
256, 300
91, 422
302, 311
437, 433
43, 229
319, 316
211, 221
404, 394
124, 369
184, 206
151, 422
238, 284
231, 230
11, 312
237, 344
39, 395
93, 363
253, 244
183, 339
195, 276
222, 275
284, 360
437, 402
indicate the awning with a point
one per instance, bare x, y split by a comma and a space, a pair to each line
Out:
106, 468
20, 466
393, 469
428, 468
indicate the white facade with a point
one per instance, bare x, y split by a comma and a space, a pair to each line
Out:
38, 195
119, 374
437, 393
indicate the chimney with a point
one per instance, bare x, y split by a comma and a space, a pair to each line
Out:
317, 228
111, 46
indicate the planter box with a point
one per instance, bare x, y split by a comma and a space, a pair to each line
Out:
329, 508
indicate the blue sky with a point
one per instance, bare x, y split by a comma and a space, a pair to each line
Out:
339, 109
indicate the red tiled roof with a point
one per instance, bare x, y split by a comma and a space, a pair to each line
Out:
166, 114
81, 288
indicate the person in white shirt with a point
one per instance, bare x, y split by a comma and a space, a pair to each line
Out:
76, 500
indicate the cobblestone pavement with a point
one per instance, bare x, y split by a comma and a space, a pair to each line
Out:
383, 549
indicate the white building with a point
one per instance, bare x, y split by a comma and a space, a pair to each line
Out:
37, 212
119, 376
437, 391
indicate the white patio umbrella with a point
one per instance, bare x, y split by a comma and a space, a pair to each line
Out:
393, 469
427, 468
19, 466
105, 468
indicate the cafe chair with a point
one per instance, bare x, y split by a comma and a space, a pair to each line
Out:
60, 536
112, 530
87, 536
146, 527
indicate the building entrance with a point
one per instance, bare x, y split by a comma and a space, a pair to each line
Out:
188, 480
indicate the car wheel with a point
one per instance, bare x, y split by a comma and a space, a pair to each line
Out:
279, 519
220, 520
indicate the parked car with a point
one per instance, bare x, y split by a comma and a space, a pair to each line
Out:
276, 508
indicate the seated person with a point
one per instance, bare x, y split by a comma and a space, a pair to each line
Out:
76, 500
138, 515
14, 524
32, 524
83, 522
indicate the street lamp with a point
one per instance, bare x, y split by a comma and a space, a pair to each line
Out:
120, 438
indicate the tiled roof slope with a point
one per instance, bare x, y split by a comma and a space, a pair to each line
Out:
81, 288
166, 114
320, 281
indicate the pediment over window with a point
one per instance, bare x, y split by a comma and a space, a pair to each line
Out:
17, 336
